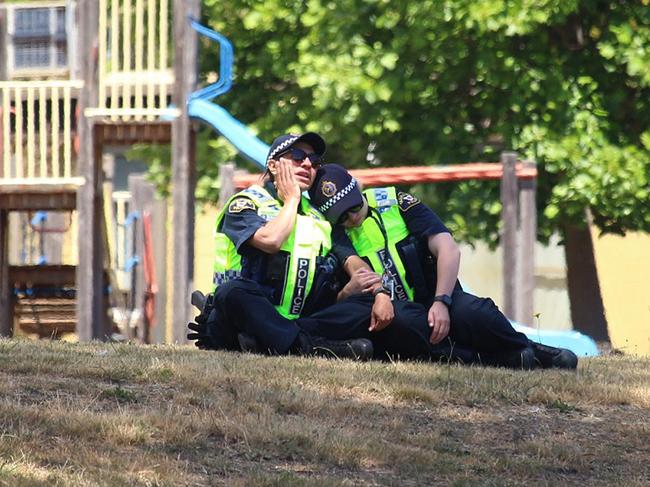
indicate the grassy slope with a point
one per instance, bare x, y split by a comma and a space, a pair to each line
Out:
106, 414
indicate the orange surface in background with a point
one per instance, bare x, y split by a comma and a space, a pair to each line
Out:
383, 176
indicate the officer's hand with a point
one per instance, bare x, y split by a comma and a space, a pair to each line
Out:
286, 182
382, 313
438, 321
199, 326
363, 280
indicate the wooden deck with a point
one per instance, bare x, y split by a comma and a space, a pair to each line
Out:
48, 317
32, 194
42, 300
133, 132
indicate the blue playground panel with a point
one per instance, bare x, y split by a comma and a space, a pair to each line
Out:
232, 129
253, 148
200, 107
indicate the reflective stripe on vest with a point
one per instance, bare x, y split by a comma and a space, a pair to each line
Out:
310, 237
368, 239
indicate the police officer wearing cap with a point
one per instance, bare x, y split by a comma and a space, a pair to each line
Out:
393, 234
274, 276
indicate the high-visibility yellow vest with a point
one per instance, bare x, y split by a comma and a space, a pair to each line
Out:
309, 239
377, 244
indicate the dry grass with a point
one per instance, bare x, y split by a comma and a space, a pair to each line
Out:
109, 414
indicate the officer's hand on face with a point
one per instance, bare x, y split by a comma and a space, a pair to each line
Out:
382, 313
286, 182
438, 321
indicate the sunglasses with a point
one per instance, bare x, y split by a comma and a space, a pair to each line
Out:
299, 155
344, 216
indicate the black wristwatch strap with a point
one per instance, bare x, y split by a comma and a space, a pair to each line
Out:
444, 299
381, 290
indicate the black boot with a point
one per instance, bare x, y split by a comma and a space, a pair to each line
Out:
355, 348
198, 299
554, 358
523, 359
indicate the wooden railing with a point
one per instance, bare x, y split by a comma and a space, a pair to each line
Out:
407, 175
135, 65
36, 130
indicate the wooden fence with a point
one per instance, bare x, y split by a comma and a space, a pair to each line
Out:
135, 61
36, 129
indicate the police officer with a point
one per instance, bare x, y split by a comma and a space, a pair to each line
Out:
405, 241
274, 275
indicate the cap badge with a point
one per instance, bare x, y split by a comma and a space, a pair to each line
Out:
328, 188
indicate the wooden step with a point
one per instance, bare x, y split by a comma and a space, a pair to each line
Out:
47, 330
25, 308
43, 275
45, 316
45, 302
46, 320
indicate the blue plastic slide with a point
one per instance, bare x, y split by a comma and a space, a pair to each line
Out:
200, 107
581, 345
232, 129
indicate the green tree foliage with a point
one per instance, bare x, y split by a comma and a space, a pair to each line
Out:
565, 82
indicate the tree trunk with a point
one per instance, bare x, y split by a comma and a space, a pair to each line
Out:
587, 310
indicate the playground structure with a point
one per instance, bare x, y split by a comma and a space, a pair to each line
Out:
132, 86
116, 90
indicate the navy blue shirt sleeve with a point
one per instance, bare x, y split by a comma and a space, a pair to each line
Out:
421, 221
241, 221
342, 247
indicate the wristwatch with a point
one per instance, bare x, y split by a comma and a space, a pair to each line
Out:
444, 299
381, 290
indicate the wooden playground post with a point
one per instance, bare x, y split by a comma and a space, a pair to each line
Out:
527, 239
143, 200
6, 287
91, 319
3, 48
227, 183
509, 231
6, 305
519, 217
183, 164
4, 117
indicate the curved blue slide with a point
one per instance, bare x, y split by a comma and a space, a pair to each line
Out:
580, 344
232, 129
201, 108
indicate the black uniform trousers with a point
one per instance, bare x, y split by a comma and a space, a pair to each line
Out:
477, 325
240, 306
